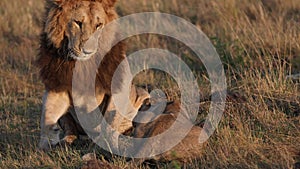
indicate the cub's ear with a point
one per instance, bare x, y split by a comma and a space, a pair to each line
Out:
109, 3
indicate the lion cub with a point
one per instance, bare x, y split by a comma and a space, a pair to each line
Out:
188, 149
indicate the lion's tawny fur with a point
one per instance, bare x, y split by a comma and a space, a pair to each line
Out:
55, 70
73, 22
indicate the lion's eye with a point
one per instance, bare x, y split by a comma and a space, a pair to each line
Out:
78, 23
99, 26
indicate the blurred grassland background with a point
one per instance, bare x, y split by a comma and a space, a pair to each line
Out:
257, 40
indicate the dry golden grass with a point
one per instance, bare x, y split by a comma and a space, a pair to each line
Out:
259, 44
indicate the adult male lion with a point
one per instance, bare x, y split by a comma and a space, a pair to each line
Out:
72, 38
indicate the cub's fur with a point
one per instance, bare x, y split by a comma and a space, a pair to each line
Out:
186, 150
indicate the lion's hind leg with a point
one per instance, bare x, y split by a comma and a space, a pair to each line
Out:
68, 125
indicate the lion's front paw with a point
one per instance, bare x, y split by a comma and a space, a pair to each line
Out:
45, 145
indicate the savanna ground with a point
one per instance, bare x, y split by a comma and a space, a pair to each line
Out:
258, 42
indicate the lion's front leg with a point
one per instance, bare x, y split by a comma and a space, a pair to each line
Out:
55, 105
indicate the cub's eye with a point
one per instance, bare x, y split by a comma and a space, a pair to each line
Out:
99, 26
78, 23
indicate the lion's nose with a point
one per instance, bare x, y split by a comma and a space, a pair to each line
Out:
90, 46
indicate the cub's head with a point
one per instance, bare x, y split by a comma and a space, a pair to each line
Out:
73, 26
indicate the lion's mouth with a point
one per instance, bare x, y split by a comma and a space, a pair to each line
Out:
80, 55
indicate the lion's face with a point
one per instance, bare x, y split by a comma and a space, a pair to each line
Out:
78, 26
82, 28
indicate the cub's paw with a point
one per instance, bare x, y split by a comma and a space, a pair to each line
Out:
68, 140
